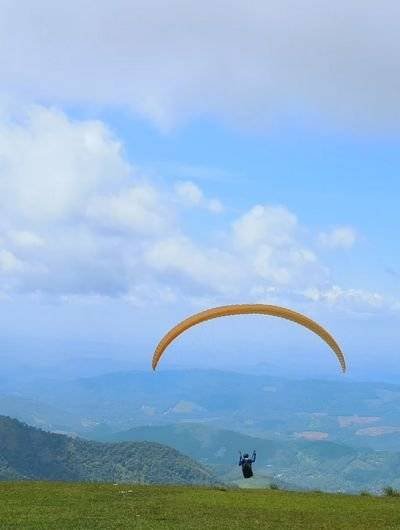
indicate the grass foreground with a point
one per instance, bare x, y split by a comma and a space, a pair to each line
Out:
64, 506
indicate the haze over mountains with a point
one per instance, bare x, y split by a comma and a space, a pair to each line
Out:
309, 433
357, 414
297, 464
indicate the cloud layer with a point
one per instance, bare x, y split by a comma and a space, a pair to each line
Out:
339, 237
79, 220
246, 61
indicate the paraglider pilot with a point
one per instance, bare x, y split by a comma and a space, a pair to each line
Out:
245, 461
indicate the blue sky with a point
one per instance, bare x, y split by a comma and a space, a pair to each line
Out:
174, 159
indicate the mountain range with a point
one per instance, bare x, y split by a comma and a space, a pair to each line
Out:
330, 435
297, 464
346, 412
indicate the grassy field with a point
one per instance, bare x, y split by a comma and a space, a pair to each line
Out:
72, 506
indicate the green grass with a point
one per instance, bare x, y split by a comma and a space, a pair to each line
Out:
42, 505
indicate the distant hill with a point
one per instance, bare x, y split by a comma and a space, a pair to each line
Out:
350, 413
28, 453
298, 463
38, 414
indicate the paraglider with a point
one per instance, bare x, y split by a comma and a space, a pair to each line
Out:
246, 463
243, 309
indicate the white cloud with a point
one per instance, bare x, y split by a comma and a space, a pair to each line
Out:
269, 239
272, 225
98, 220
262, 248
95, 227
250, 61
209, 268
139, 209
9, 263
207, 173
50, 165
361, 300
340, 237
25, 239
190, 194
215, 205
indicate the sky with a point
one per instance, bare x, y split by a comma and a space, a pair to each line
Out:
158, 159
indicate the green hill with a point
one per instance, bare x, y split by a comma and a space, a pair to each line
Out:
28, 453
26, 506
299, 464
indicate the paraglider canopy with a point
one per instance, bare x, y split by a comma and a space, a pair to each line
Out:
243, 309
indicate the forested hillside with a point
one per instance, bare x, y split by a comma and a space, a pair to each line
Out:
30, 453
